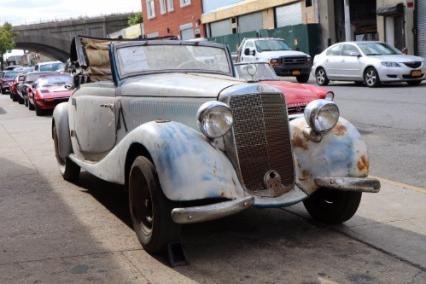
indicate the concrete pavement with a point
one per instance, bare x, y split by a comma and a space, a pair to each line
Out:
53, 231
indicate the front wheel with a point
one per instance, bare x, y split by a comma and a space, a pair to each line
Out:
303, 78
371, 77
149, 208
38, 111
321, 77
332, 206
70, 171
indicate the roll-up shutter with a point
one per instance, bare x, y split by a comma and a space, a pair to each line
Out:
289, 15
251, 22
221, 28
421, 27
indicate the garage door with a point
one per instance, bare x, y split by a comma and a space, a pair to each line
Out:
421, 27
221, 28
187, 34
250, 23
289, 15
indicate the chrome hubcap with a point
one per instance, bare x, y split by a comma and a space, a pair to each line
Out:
371, 78
321, 76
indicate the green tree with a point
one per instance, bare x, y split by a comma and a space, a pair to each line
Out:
135, 19
7, 41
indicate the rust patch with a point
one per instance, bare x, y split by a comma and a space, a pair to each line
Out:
340, 129
363, 164
298, 141
305, 175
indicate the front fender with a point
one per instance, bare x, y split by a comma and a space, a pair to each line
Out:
60, 120
340, 153
188, 166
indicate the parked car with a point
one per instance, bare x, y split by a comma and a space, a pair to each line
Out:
51, 66
48, 91
297, 96
284, 60
14, 87
193, 143
26, 86
370, 62
6, 80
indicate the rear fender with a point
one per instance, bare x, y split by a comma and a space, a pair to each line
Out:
340, 153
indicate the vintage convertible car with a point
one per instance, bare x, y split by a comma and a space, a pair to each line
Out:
192, 143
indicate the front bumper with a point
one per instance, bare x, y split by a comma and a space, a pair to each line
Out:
371, 185
215, 211
400, 74
293, 69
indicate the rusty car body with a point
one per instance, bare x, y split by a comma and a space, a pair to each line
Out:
193, 143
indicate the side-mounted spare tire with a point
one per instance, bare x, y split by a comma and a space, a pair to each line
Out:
69, 170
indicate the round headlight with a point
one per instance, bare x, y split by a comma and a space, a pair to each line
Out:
214, 119
329, 96
322, 115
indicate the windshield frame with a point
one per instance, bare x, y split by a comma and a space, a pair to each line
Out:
119, 76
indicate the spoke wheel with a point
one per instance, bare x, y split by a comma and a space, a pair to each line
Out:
321, 77
371, 77
149, 208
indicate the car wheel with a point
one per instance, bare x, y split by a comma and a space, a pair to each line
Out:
20, 101
332, 206
26, 102
150, 210
1, 91
70, 171
38, 111
30, 105
371, 77
321, 77
414, 83
302, 78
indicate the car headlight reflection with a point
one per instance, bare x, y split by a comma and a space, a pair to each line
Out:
214, 119
322, 115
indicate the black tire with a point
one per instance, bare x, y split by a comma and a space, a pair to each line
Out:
150, 210
371, 77
69, 170
30, 106
14, 97
38, 111
414, 83
303, 78
26, 102
332, 206
321, 77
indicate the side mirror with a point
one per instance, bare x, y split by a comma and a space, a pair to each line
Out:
253, 52
247, 51
354, 53
34, 86
68, 87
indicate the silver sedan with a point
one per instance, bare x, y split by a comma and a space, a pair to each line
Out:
369, 62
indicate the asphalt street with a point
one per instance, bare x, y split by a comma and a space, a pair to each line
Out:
53, 231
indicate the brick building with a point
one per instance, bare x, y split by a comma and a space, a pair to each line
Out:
180, 18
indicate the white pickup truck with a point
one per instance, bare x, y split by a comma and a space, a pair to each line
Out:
275, 51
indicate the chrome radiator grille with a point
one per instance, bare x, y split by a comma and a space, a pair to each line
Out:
262, 139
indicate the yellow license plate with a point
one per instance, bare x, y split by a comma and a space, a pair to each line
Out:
295, 72
416, 73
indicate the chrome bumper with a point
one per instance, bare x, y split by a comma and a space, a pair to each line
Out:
197, 214
349, 184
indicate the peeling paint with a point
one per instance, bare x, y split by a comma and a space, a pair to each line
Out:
339, 129
363, 164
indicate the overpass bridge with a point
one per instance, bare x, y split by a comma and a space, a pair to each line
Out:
54, 38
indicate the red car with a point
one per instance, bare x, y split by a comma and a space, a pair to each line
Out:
297, 95
48, 91
6, 79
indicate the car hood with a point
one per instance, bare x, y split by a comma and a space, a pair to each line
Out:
178, 85
397, 58
277, 54
298, 93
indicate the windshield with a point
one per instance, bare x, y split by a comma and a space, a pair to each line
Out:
255, 72
271, 45
10, 75
51, 67
377, 48
51, 81
134, 60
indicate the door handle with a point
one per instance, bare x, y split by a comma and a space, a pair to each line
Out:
110, 106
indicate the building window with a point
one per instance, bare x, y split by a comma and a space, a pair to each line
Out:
308, 3
150, 7
163, 7
170, 6
184, 3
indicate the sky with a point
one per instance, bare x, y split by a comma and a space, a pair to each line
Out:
20, 12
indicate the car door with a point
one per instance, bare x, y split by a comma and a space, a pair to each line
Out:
350, 65
332, 61
94, 115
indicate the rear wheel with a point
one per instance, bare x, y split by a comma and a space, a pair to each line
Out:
371, 77
321, 77
38, 111
30, 105
70, 171
302, 78
414, 83
26, 101
149, 208
332, 206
